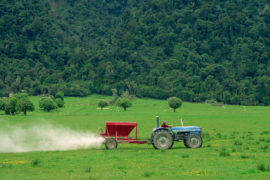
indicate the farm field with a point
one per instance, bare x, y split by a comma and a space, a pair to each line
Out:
236, 143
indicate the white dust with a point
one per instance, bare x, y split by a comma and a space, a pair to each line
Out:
45, 138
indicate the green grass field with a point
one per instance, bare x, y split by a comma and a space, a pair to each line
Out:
236, 143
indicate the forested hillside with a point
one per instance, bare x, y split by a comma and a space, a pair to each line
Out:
194, 49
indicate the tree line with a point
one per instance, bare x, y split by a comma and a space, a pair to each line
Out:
20, 102
196, 50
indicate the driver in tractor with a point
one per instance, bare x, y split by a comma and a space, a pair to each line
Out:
165, 125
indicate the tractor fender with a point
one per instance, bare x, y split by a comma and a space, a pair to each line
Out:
161, 128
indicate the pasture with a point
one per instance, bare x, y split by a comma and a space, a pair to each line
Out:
236, 143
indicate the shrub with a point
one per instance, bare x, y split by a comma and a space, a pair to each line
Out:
11, 106
20, 95
59, 102
124, 102
76, 91
2, 104
47, 104
174, 103
115, 96
102, 104
24, 105
59, 95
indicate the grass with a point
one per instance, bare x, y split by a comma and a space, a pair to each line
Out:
235, 130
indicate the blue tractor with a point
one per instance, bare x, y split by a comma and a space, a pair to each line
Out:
164, 137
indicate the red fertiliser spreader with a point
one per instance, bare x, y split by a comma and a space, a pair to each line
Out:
118, 132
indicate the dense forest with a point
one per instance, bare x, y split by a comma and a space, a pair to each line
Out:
197, 50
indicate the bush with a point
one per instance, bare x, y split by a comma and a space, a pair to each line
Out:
2, 104
47, 104
20, 95
174, 103
124, 102
102, 104
76, 91
24, 105
60, 95
11, 106
59, 102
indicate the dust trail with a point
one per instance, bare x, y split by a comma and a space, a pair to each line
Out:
45, 138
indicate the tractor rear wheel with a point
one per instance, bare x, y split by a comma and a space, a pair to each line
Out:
111, 143
193, 141
162, 139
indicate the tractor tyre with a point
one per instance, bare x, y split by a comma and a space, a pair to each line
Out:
162, 139
193, 141
111, 143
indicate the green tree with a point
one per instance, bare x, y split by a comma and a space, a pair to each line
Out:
12, 105
60, 95
47, 104
24, 105
60, 103
124, 103
174, 103
20, 95
115, 96
102, 104
2, 104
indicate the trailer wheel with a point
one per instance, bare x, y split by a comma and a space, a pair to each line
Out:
193, 141
111, 143
162, 139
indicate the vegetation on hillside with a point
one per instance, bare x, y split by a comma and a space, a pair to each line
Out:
196, 50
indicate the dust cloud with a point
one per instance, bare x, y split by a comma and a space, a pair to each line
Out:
45, 138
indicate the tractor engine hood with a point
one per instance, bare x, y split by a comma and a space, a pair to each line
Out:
185, 129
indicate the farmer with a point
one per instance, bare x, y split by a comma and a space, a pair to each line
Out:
164, 124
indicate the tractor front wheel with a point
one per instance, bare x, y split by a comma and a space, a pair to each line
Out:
111, 143
162, 139
193, 141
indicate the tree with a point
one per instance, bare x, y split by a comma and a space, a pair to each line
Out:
24, 105
2, 104
59, 102
102, 104
174, 103
60, 95
124, 102
115, 96
20, 95
47, 104
11, 106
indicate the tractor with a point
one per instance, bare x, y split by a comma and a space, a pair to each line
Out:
164, 137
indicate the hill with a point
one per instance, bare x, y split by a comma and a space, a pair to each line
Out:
197, 50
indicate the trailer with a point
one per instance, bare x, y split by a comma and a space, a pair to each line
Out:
118, 132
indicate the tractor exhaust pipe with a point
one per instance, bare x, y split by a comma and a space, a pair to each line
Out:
157, 122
